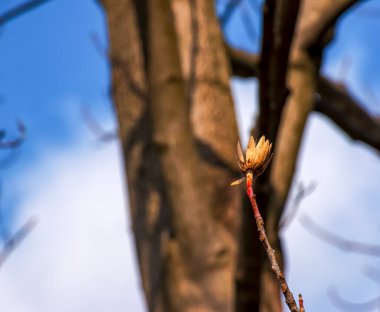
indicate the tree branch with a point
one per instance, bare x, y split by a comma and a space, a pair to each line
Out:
332, 100
278, 30
346, 305
289, 298
243, 64
15, 240
338, 241
302, 192
15, 142
228, 11
313, 33
20, 10
96, 128
337, 104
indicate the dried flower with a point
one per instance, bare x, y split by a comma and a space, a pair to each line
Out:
257, 158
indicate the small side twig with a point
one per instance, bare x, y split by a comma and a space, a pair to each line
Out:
300, 300
15, 240
289, 298
17, 141
347, 305
257, 159
302, 192
338, 241
20, 10
96, 128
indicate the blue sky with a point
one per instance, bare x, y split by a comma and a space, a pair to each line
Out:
80, 255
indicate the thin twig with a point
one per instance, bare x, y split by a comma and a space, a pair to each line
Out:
302, 192
15, 240
346, 305
96, 128
289, 298
248, 24
229, 10
15, 142
372, 273
300, 300
338, 241
19, 10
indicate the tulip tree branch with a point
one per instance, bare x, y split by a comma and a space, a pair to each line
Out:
289, 298
279, 24
243, 63
336, 103
314, 32
332, 100
257, 159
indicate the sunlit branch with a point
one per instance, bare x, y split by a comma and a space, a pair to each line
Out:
336, 103
332, 100
313, 35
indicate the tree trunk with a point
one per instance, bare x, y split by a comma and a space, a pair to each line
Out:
178, 128
177, 125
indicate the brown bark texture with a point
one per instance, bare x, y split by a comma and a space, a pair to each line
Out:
198, 250
178, 129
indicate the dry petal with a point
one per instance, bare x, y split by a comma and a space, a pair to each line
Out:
240, 152
237, 182
250, 152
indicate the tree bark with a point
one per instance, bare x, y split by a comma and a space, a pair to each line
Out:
177, 124
305, 58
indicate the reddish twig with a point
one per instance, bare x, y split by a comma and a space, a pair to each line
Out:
300, 300
290, 301
257, 159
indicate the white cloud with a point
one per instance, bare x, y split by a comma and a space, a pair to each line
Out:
80, 255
